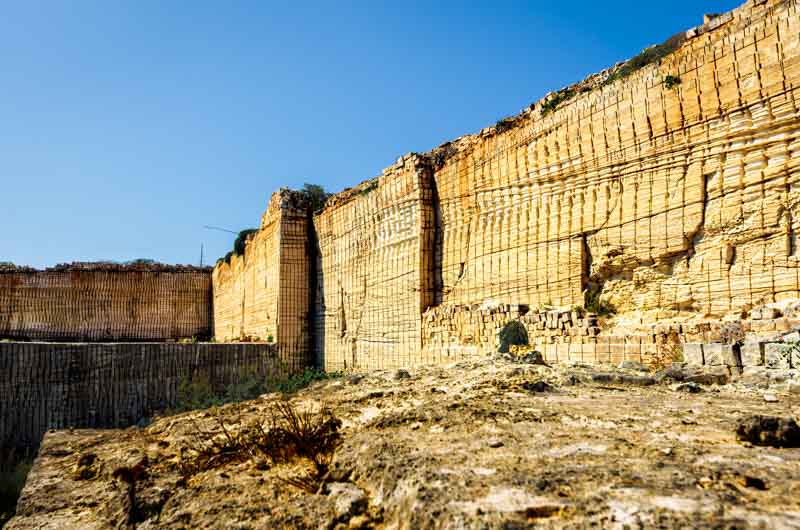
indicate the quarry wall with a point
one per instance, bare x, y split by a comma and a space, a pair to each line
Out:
666, 187
53, 386
264, 294
676, 197
374, 269
105, 302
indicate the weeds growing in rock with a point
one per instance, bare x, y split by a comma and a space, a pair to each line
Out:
505, 124
648, 56
286, 435
369, 188
441, 155
594, 303
552, 104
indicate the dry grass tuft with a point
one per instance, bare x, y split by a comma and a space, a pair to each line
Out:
287, 436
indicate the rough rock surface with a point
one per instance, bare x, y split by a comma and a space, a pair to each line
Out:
105, 302
269, 283
492, 443
666, 187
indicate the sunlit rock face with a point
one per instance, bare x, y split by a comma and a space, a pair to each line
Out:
263, 295
105, 302
664, 187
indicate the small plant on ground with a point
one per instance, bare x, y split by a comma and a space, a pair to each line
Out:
369, 188
648, 56
285, 436
513, 334
503, 125
196, 393
552, 104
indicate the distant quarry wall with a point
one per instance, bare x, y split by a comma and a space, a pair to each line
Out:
667, 187
105, 303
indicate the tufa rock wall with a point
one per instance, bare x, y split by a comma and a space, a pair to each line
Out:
54, 386
679, 197
264, 295
667, 188
105, 302
374, 270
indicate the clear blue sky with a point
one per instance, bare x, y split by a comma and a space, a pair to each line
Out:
125, 126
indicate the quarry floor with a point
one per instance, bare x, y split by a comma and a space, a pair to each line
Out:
479, 444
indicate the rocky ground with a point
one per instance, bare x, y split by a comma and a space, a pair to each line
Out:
492, 443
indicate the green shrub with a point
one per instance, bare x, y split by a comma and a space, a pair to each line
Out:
505, 124
513, 334
552, 104
648, 56
671, 81
369, 188
239, 245
316, 196
241, 241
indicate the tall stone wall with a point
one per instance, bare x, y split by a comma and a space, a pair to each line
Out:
677, 197
98, 303
671, 190
54, 386
671, 199
264, 294
374, 272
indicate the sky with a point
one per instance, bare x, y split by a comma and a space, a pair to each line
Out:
127, 126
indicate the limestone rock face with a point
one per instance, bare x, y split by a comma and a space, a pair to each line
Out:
58, 386
374, 267
105, 302
263, 295
666, 197
673, 189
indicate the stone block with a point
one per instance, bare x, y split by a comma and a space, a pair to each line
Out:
752, 353
777, 356
693, 353
794, 336
713, 354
